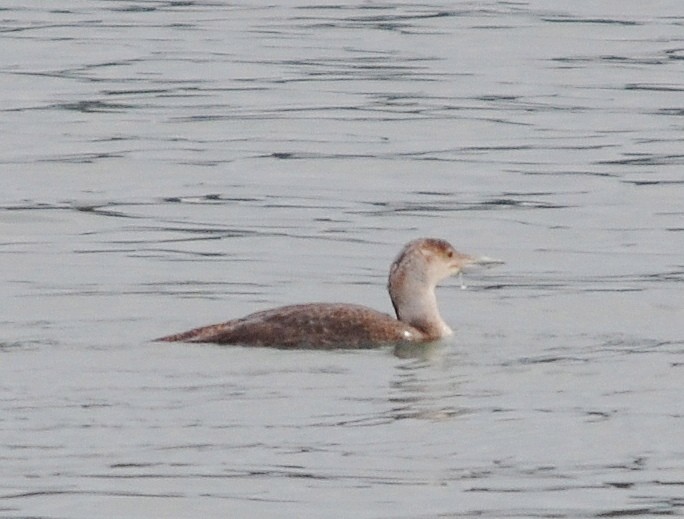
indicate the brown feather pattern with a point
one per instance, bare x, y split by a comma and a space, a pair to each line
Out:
320, 325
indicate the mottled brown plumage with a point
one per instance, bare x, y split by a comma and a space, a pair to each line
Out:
414, 274
315, 325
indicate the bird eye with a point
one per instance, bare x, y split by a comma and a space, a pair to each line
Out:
450, 254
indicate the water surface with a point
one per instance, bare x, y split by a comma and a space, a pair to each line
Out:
172, 164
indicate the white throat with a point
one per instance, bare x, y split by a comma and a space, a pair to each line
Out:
415, 303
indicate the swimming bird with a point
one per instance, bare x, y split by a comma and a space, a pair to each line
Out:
413, 277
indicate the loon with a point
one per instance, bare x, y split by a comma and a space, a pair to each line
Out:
413, 277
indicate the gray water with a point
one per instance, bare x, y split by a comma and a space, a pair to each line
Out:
167, 164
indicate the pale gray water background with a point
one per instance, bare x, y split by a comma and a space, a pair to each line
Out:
170, 164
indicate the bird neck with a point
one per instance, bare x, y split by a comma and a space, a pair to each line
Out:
415, 304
